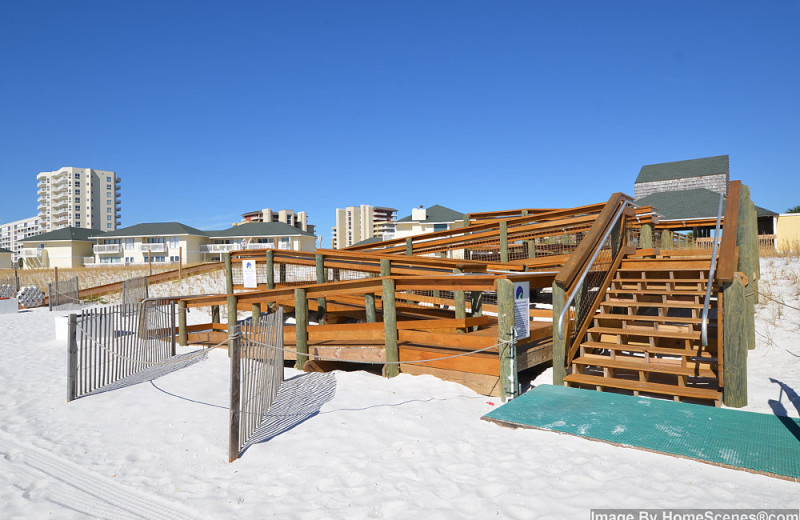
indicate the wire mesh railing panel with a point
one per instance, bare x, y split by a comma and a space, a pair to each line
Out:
134, 290
588, 291
63, 294
260, 371
112, 343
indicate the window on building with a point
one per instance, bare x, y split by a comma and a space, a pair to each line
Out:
108, 179
77, 192
174, 242
77, 176
108, 226
108, 217
108, 186
108, 210
77, 199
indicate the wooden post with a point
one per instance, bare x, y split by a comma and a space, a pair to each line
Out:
232, 318
666, 239
391, 369
16, 280
747, 240
322, 306
150, 261
734, 319
172, 349
466, 220
72, 357
282, 273
369, 306
270, 269
646, 237
215, 314
182, 335
409, 246
505, 323
235, 405
504, 241
228, 274
559, 342
55, 273
460, 303
532, 248
301, 328
476, 304
180, 263
386, 267
255, 314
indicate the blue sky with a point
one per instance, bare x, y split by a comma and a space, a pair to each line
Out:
211, 109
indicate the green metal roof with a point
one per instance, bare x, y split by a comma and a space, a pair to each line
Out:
259, 229
683, 169
67, 234
153, 229
437, 213
370, 240
690, 204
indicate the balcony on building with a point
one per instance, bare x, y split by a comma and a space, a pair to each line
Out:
217, 248
107, 248
158, 247
31, 252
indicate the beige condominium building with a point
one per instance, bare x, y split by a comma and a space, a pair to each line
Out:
13, 233
357, 223
79, 197
297, 219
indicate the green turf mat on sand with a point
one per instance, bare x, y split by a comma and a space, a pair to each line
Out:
732, 438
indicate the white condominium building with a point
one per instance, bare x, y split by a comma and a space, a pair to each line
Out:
297, 219
79, 197
357, 223
13, 233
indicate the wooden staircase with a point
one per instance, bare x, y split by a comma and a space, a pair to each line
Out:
646, 335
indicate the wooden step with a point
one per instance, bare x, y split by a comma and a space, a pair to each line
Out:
621, 302
619, 278
655, 319
647, 332
656, 365
638, 386
663, 351
659, 291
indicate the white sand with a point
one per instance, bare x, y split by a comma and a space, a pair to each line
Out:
410, 447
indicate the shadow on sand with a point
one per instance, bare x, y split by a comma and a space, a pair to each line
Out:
780, 410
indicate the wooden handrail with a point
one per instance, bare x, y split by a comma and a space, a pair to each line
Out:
727, 249
574, 266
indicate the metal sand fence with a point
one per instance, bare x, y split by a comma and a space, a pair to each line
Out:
110, 343
256, 376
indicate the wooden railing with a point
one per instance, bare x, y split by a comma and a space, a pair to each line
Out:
607, 232
727, 248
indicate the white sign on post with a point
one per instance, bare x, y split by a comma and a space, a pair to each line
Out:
249, 278
522, 324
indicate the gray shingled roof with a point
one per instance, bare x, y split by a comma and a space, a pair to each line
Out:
154, 229
5, 251
259, 229
370, 240
437, 213
690, 204
683, 169
67, 233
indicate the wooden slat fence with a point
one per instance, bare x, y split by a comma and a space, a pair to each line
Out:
134, 290
107, 344
63, 294
256, 376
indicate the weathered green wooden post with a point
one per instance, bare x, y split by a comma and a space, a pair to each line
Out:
734, 325
666, 239
747, 240
72, 357
504, 241
270, 269
391, 369
646, 237
409, 246
532, 248
322, 306
369, 306
215, 314
460, 302
234, 351
228, 274
386, 267
505, 324
476, 305
466, 220
255, 314
559, 341
301, 327
182, 335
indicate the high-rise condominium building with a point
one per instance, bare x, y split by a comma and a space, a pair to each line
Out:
296, 219
13, 233
79, 197
357, 223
